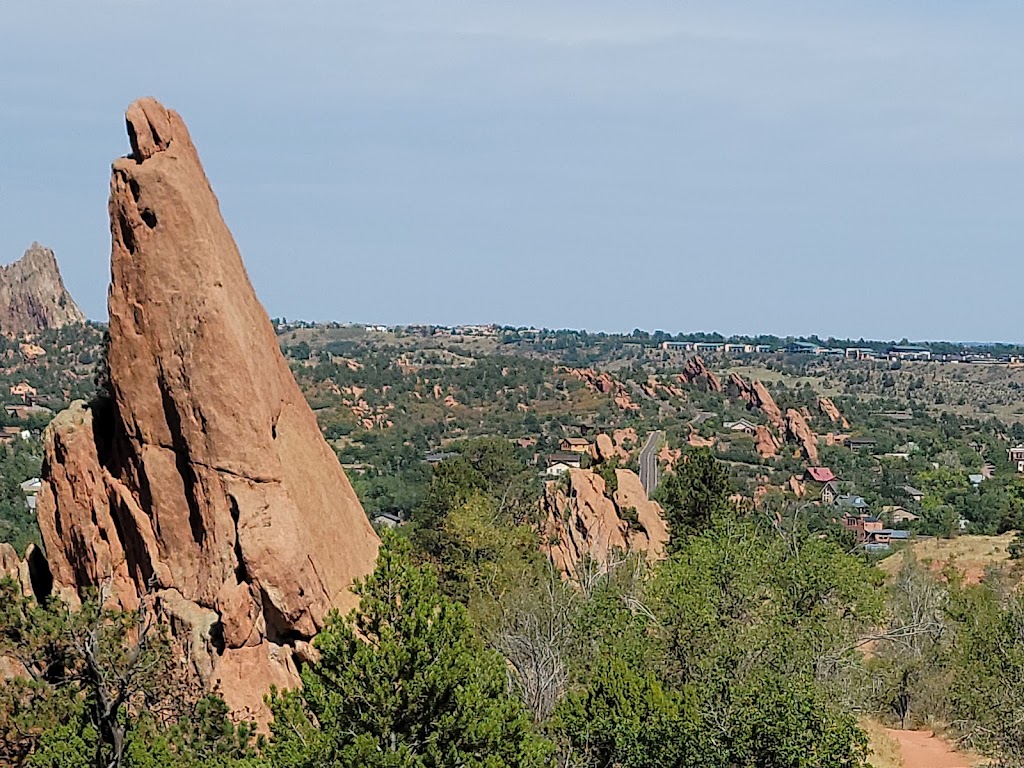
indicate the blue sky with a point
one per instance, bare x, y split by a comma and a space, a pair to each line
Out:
852, 169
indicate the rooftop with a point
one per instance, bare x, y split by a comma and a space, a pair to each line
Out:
821, 474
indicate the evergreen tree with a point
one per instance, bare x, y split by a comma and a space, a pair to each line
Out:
402, 682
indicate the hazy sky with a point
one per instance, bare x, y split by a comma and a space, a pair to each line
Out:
788, 167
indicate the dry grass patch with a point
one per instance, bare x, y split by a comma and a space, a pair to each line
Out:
885, 751
973, 556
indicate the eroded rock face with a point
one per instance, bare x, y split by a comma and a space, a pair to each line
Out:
798, 429
695, 370
827, 407
32, 295
757, 397
766, 444
585, 521
203, 481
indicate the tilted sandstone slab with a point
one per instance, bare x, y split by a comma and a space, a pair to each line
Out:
203, 481
695, 370
798, 430
828, 407
584, 523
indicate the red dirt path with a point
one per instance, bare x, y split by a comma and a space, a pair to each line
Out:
923, 749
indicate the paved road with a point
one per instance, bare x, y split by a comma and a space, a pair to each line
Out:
649, 462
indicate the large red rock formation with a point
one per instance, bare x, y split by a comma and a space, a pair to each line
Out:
695, 370
827, 407
203, 482
757, 397
797, 429
765, 442
583, 521
32, 295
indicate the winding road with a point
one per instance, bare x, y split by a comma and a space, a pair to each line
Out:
649, 473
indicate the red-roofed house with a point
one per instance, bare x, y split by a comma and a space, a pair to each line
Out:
819, 475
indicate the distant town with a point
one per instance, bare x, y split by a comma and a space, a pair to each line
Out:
710, 343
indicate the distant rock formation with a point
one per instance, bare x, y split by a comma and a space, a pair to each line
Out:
202, 482
799, 430
827, 407
585, 521
757, 397
32, 295
765, 442
695, 370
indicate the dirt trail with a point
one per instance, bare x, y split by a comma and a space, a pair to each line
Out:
923, 749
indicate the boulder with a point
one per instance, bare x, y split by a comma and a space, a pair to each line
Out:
603, 448
202, 478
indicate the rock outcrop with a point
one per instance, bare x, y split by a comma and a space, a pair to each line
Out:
202, 482
603, 449
758, 398
695, 370
765, 442
797, 429
827, 407
32, 295
583, 521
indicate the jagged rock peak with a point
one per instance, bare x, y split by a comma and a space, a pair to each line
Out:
32, 295
202, 481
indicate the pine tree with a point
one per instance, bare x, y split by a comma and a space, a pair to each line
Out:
402, 683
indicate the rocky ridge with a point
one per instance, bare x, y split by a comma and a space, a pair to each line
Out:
32, 295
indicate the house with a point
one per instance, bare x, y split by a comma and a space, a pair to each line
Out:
898, 415
863, 526
386, 520
963, 524
436, 457
805, 348
851, 501
819, 475
31, 489
1016, 457
24, 390
9, 434
707, 346
880, 541
741, 426
859, 353
25, 411
560, 463
913, 493
574, 445
686, 346
909, 353
829, 492
976, 480
861, 443
899, 515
